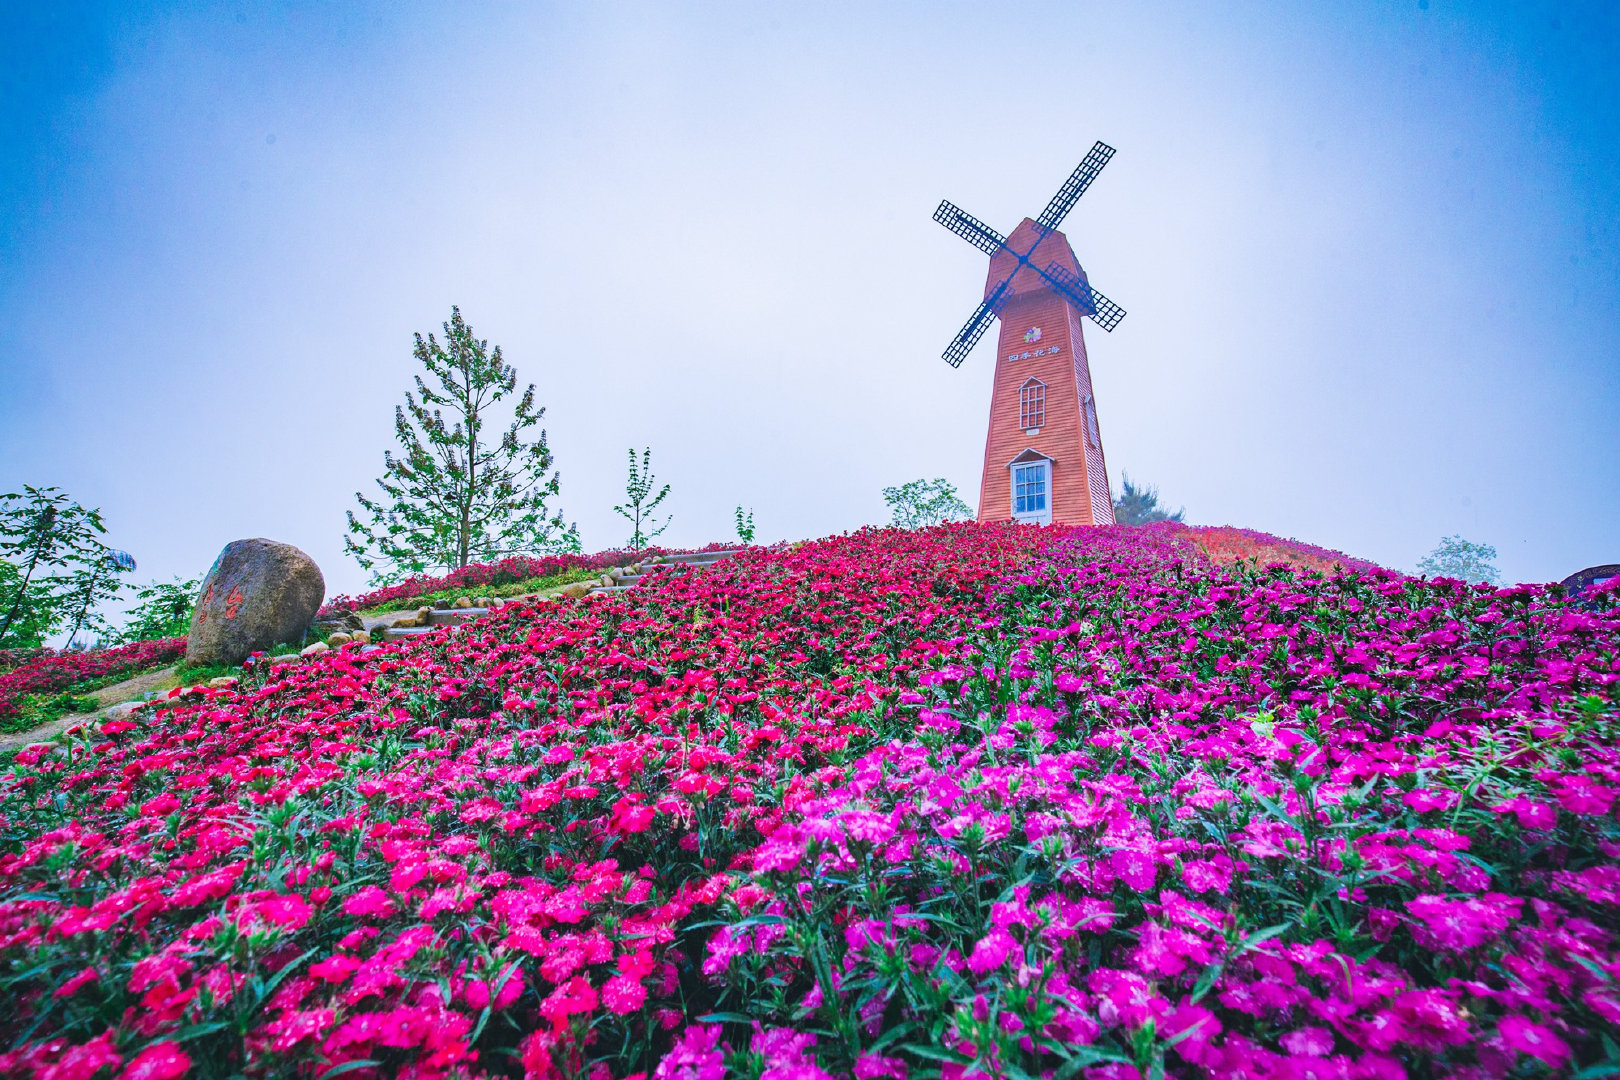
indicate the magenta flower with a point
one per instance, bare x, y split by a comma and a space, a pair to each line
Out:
1534, 1039
695, 1056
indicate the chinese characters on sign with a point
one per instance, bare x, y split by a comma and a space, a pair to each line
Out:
1053, 350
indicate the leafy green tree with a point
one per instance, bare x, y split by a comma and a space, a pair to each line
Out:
641, 503
36, 615
97, 579
42, 530
163, 610
458, 493
745, 526
1139, 505
918, 504
1455, 557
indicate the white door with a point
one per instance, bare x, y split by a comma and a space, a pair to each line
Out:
1031, 492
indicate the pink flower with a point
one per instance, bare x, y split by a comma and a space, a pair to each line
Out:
726, 945
1308, 1042
631, 817
1534, 1039
1424, 800
1207, 875
84, 1061
878, 1067
1531, 814
71, 987
781, 852
1135, 868
1464, 924
623, 994
159, 1061
992, 951
370, 902
574, 996
478, 995
288, 912
696, 1056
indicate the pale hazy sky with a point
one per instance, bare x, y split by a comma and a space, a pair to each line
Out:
1370, 254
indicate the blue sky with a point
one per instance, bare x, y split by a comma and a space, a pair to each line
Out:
1370, 252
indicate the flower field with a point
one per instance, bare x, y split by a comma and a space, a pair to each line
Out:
47, 671
980, 799
1226, 545
507, 571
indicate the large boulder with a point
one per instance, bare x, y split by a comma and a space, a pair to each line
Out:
257, 594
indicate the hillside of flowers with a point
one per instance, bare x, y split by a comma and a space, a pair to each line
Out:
507, 571
1226, 544
45, 671
982, 799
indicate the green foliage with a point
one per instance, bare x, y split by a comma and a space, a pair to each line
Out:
745, 526
42, 533
98, 578
163, 611
640, 502
457, 495
918, 504
1455, 557
36, 615
37, 709
1139, 504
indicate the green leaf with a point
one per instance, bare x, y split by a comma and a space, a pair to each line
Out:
348, 1066
1260, 936
939, 1053
726, 1018
1080, 1057
1602, 1068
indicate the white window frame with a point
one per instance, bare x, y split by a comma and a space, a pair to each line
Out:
1042, 516
1032, 404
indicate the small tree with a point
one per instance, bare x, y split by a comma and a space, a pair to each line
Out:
745, 526
456, 495
98, 578
42, 530
1140, 505
918, 504
163, 611
640, 502
1455, 557
36, 616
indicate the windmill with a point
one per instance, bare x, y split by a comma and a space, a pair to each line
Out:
1043, 454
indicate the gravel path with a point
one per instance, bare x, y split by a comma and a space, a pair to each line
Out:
128, 690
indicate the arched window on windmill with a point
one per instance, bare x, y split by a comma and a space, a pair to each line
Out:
1032, 406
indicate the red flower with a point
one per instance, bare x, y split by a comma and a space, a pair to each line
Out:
159, 1061
573, 996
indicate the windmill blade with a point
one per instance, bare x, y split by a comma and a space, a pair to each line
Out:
1075, 186
1101, 310
963, 343
969, 228
977, 324
1107, 314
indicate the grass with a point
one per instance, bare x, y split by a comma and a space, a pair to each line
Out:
37, 709
515, 588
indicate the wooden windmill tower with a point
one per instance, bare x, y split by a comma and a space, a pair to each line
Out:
1043, 456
